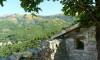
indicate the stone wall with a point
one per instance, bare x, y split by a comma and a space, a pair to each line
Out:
89, 52
48, 50
90, 45
73, 54
61, 52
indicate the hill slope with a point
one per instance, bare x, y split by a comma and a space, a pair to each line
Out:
17, 27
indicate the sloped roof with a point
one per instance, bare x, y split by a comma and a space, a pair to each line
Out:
65, 31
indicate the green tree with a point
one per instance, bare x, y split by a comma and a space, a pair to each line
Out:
87, 10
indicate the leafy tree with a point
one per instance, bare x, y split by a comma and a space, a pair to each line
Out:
87, 10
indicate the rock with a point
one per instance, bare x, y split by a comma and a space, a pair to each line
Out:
27, 54
4, 59
15, 56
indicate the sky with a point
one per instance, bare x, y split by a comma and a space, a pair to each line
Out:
13, 7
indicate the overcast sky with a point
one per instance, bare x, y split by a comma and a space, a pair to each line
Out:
13, 6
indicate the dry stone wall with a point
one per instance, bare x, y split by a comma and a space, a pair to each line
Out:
46, 51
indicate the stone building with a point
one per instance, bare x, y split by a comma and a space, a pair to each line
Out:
80, 43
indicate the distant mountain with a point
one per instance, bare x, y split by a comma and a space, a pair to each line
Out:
62, 17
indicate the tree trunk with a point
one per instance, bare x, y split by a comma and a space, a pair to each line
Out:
98, 40
98, 27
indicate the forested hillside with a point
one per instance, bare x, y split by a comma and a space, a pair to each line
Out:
27, 31
19, 27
